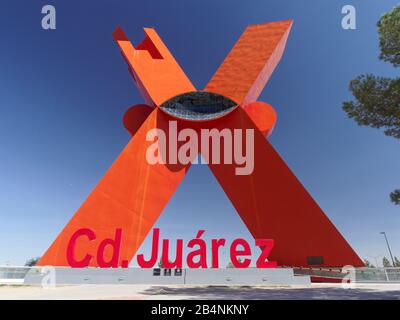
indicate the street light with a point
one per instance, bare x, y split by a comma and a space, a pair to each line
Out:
390, 251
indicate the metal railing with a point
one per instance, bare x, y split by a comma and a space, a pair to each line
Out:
378, 275
13, 275
16, 275
361, 275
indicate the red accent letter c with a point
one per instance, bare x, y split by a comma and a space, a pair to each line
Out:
71, 246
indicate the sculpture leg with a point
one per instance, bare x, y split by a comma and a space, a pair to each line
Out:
274, 205
130, 197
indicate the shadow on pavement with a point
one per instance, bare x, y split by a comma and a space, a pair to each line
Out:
256, 293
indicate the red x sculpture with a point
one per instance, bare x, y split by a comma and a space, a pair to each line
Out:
271, 201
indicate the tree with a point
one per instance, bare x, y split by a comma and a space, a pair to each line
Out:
377, 99
368, 264
386, 262
231, 265
161, 264
396, 262
395, 197
389, 31
32, 262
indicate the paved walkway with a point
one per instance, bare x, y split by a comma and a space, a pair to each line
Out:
147, 292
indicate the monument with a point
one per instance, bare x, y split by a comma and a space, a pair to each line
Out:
270, 200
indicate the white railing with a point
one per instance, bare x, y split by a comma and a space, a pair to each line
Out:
13, 275
16, 274
361, 274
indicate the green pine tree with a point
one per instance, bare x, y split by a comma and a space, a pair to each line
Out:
377, 99
32, 262
386, 262
368, 264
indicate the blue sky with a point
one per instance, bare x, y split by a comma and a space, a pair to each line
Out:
63, 94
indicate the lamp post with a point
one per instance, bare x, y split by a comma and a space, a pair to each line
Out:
390, 251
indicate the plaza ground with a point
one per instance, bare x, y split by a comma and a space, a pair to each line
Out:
171, 292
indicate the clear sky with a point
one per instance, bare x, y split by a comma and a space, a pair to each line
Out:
63, 94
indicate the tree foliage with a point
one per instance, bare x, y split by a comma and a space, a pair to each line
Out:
32, 262
389, 32
395, 197
386, 262
377, 99
368, 264
377, 103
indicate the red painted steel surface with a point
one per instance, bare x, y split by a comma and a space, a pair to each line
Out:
271, 201
130, 196
155, 71
274, 205
247, 68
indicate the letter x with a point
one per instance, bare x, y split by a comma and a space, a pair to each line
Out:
271, 201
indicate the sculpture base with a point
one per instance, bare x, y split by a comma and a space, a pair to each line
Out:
224, 277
